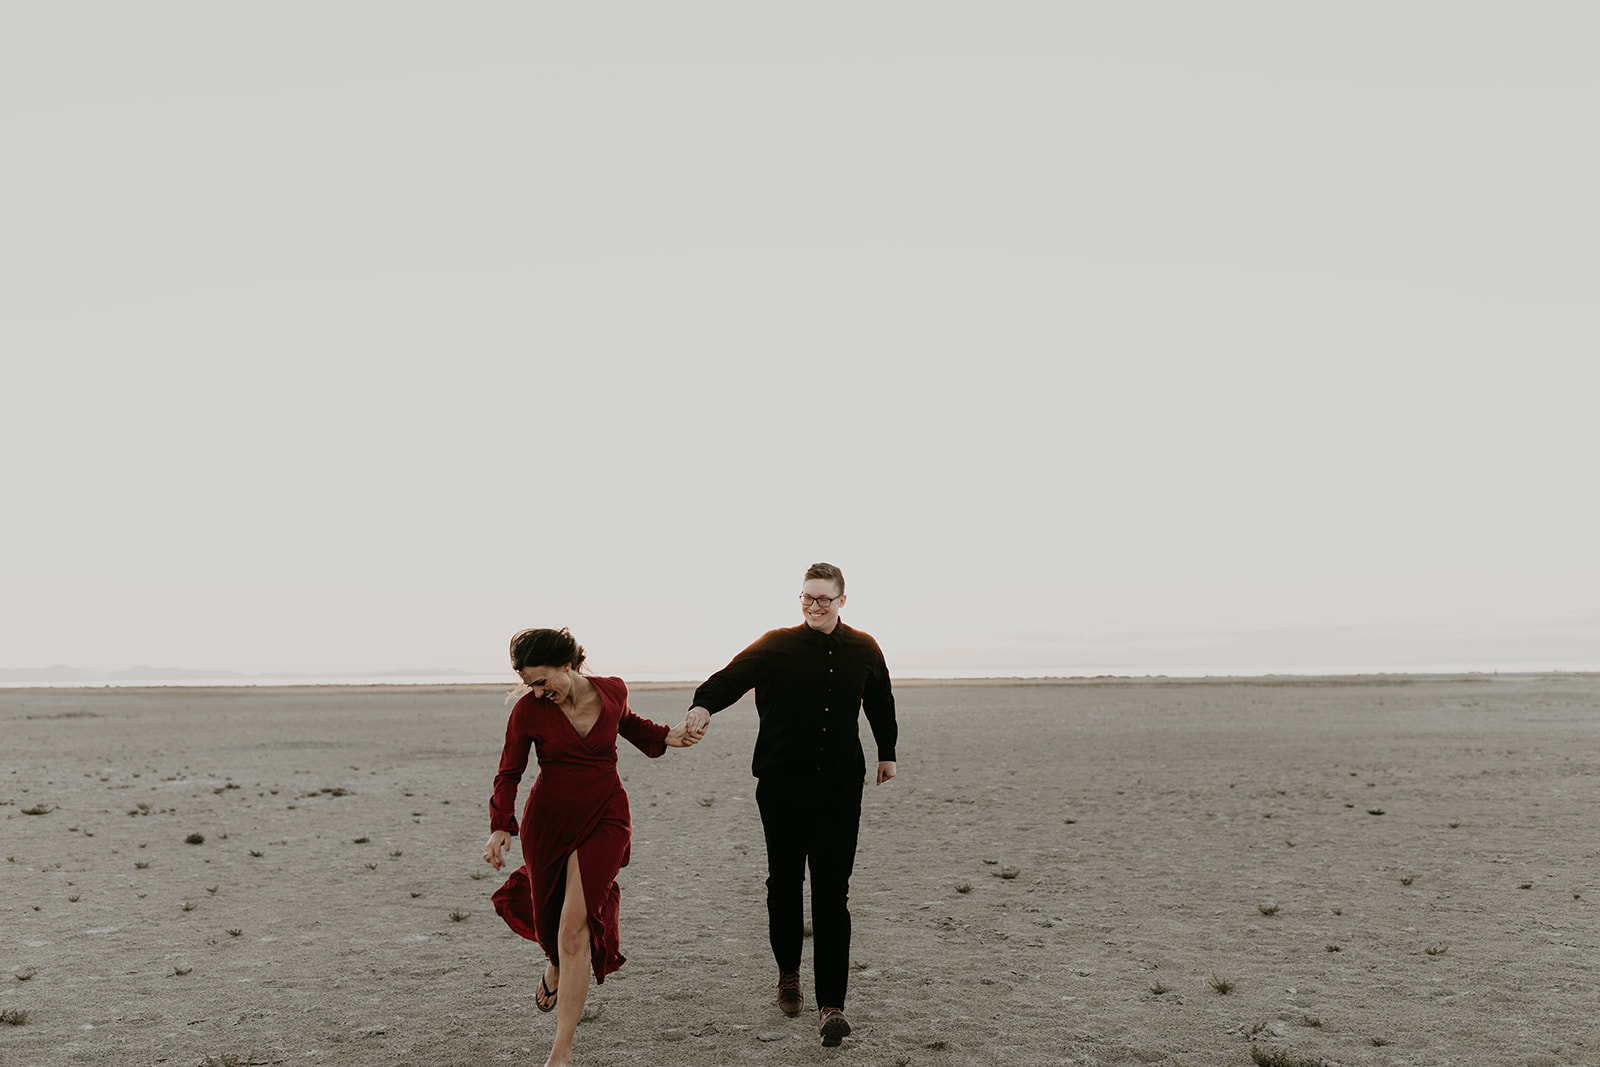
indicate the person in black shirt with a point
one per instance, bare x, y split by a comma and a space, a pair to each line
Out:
811, 683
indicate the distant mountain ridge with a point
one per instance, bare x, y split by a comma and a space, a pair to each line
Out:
141, 672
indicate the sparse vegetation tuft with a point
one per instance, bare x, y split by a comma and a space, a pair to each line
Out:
235, 932
1223, 986
14, 1016
195, 839
964, 887
1008, 873
457, 915
1268, 910
1437, 950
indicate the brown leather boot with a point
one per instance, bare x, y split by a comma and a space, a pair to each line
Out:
789, 999
834, 1026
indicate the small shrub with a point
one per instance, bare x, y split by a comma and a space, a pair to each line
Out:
257, 854
1331, 947
1223, 986
179, 972
362, 840
1374, 811
14, 1016
964, 887
1268, 910
74, 898
1312, 1021
1437, 950
188, 905
1008, 873
195, 839
141, 864
1407, 880
38, 809
235, 932
415, 894
458, 915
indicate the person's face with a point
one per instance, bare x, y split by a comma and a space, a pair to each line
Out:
548, 683
820, 601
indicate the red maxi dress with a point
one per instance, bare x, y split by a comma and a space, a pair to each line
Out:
577, 804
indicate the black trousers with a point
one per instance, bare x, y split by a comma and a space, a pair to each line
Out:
811, 819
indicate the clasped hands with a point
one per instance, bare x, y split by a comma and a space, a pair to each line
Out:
690, 730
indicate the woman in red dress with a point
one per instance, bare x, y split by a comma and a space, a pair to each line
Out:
575, 827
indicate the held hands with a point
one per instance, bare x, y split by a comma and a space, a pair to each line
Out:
680, 738
494, 846
697, 722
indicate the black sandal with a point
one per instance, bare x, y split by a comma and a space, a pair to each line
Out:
544, 998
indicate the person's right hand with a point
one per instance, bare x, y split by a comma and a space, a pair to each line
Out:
494, 846
697, 722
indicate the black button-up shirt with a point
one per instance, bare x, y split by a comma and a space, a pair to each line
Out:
810, 688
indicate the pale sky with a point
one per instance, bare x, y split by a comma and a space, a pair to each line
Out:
345, 337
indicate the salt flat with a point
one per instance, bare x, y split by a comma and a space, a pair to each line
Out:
1388, 870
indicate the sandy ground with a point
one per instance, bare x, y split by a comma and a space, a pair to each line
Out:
1387, 871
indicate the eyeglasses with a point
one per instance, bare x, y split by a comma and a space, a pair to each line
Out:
826, 601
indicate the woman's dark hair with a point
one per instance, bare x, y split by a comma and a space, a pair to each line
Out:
545, 648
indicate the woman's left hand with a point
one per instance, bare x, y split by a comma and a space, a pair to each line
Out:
680, 737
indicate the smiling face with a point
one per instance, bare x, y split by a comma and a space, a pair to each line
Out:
548, 683
820, 601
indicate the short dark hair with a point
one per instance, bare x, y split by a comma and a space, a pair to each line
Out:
546, 648
826, 571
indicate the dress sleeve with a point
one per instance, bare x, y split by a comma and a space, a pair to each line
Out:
646, 736
513, 761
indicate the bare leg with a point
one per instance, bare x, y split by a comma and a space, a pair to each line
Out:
573, 990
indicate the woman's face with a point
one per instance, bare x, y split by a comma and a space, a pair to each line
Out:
548, 683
